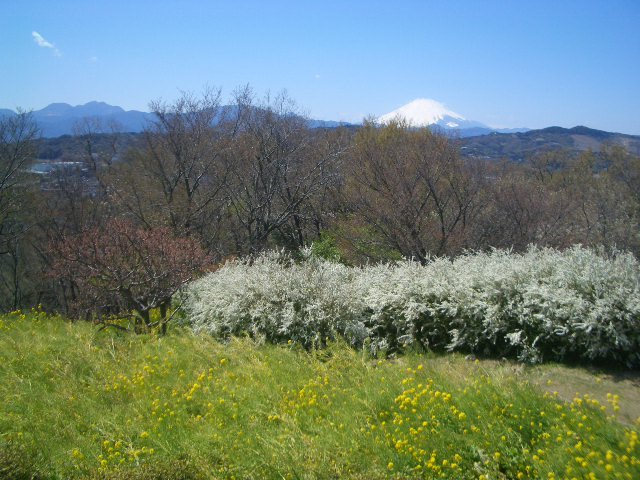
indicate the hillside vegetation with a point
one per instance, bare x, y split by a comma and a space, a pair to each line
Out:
240, 181
82, 403
521, 146
335, 356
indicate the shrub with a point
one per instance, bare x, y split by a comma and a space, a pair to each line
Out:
275, 298
120, 267
544, 304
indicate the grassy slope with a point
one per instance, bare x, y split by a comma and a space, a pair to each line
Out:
80, 403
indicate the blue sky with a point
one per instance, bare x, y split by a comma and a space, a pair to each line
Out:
504, 63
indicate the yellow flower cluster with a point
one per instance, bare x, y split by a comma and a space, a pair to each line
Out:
307, 397
431, 432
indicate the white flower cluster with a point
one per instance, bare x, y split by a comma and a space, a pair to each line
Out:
540, 305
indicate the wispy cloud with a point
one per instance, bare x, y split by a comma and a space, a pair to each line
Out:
41, 42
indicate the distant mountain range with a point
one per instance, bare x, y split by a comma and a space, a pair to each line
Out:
477, 140
60, 118
516, 144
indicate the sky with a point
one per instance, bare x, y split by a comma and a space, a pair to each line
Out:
506, 63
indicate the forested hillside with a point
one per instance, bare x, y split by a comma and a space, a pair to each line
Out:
222, 183
522, 146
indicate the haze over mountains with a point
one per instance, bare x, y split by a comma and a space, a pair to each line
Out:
520, 146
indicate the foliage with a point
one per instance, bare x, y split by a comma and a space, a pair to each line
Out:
80, 404
544, 304
327, 248
121, 267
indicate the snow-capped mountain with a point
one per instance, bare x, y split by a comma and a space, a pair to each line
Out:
423, 112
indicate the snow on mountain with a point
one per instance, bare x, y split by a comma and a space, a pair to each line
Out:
422, 112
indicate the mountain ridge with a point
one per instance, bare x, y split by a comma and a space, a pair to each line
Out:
519, 146
59, 119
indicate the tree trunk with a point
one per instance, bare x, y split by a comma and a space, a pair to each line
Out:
164, 306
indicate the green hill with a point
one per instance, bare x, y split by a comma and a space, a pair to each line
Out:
83, 403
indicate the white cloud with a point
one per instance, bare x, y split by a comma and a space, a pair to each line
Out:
41, 42
39, 39
317, 76
93, 59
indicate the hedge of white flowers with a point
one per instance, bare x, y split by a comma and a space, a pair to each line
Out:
545, 304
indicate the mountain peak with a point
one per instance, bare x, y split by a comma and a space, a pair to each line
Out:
97, 108
422, 112
57, 109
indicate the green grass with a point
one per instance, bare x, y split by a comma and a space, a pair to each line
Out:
79, 403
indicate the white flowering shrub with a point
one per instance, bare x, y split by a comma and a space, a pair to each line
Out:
546, 304
275, 298
579, 304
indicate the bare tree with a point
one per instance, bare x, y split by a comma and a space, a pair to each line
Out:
275, 168
17, 148
176, 179
605, 188
528, 204
89, 130
412, 188
18, 134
